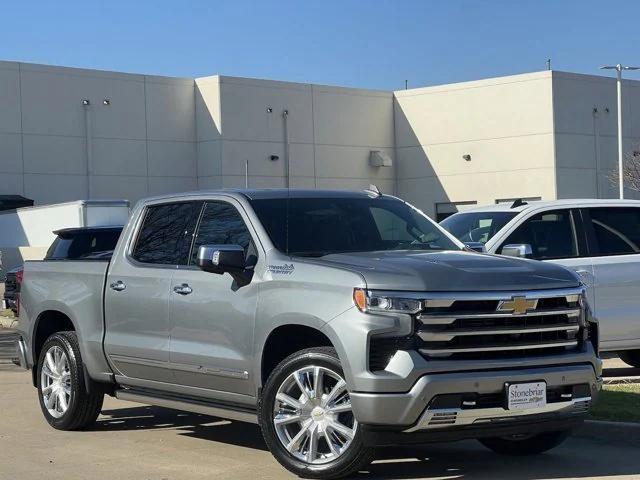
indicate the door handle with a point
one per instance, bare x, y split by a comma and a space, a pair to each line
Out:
183, 289
118, 286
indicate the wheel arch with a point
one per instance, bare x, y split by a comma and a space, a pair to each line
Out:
307, 331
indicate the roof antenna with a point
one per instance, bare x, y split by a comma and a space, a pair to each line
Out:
375, 190
518, 203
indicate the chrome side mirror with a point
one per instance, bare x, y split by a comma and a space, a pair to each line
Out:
221, 258
521, 250
476, 246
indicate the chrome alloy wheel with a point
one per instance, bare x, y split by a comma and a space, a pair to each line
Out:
312, 415
55, 381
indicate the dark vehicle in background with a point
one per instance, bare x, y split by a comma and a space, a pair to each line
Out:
84, 243
12, 289
81, 243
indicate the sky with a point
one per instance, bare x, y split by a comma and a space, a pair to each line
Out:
358, 43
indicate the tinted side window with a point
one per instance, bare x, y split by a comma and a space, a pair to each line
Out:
166, 233
550, 234
616, 230
220, 224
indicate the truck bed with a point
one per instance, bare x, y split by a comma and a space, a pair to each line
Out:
74, 288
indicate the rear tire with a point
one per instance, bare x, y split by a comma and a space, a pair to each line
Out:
528, 445
63, 397
323, 437
630, 357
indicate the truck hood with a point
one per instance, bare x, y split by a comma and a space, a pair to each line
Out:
457, 271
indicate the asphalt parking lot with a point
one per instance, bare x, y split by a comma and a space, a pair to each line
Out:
132, 441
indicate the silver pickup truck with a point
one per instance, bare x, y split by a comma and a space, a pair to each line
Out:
337, 321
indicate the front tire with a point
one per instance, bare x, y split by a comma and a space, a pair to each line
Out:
517, 445
630, 357
306, 417
64, 400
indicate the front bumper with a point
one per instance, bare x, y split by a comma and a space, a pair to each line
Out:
414, 411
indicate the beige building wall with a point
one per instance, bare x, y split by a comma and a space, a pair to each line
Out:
330, 134
541, 135
586, 129
504, 124
142, 143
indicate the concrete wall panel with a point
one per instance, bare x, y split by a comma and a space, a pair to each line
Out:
495, 108
335, 161
162, 185
172, 159
119, 157
129, 187
207, 104
54, 188
244, 106
352, 117
11, 184
10, 153
9, 98
235, 154
209, 154
49, 154
51, 104
171, 111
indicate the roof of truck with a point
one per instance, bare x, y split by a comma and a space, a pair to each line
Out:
271, 193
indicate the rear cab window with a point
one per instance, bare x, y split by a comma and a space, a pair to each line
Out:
615, 230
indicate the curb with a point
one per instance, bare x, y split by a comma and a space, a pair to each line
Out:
620, 380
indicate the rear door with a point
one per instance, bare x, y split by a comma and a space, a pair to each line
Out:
138, 291
557, 236
212, 318
614, 238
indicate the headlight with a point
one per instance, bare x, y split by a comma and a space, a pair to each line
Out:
385, 302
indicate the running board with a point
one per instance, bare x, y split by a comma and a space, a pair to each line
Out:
195, 406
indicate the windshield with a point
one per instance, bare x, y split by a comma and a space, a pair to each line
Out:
322, 226
476, 226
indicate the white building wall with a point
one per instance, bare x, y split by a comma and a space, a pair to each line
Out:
504, 124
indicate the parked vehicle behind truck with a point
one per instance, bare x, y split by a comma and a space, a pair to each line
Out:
82, 243
598, 239
337, 321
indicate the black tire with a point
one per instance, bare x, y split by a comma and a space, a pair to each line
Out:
527, 445
353, 459
630, 357
83, 408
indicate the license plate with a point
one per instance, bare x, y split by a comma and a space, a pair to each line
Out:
522, 396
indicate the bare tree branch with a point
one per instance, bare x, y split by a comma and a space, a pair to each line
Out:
630, 171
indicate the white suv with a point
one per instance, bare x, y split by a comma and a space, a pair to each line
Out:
598, 239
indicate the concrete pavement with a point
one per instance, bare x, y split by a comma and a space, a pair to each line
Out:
132, 441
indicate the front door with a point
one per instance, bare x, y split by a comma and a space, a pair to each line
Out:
212, 318
138, 291
557, 236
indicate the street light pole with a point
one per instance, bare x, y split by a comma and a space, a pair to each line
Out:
619, 68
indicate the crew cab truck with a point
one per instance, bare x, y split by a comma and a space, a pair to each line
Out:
338, 321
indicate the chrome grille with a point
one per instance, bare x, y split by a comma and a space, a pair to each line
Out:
472, 327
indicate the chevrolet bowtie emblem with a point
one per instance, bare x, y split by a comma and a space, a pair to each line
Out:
517, 305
